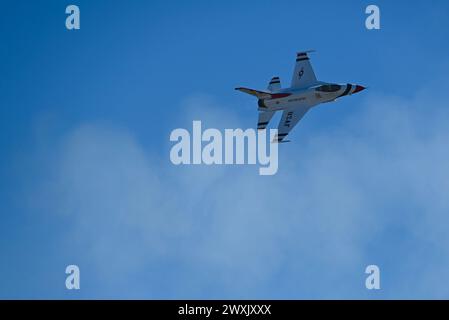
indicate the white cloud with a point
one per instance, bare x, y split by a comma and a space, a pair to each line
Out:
305, 232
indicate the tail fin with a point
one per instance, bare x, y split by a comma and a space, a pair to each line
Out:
275, 84
256, 93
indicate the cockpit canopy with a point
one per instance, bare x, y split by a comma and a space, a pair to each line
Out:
328, 88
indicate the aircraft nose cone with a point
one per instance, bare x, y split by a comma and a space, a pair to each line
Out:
358, 88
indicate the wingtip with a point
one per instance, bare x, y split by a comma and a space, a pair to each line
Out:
279, 142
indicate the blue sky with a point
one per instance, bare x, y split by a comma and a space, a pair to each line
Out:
85, 176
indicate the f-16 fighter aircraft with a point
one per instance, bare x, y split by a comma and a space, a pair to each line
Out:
304, 93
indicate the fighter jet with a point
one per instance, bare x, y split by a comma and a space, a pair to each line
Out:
305, 92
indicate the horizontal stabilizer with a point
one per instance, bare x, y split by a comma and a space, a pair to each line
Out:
256, 93
275, 84
264, 119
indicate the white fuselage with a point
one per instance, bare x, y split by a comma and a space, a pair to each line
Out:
319, 93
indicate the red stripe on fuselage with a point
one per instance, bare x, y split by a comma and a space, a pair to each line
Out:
280, 95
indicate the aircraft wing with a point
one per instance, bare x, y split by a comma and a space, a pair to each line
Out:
303, 75
290, 118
